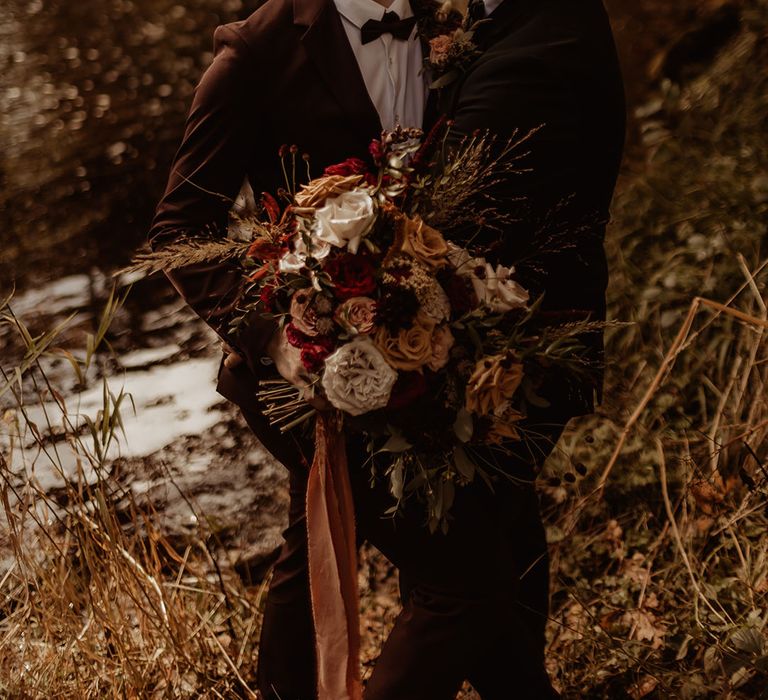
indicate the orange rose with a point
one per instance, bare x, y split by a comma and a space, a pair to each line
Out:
492, 385
317, 191
411, 348
420, 241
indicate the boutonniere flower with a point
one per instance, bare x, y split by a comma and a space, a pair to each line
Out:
450, 32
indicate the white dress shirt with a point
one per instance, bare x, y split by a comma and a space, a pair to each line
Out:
491, 5
391, 68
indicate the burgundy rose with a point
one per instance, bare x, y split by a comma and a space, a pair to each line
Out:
376, 149
351, 166
397, 308
408, 387
296, 338
313, 350
352, 275
313, 357
267, 297
460, 293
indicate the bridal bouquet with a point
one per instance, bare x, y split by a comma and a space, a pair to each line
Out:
388, 280
414, 331
402, 323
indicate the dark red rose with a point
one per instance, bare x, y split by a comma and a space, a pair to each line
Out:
267, 297
295, 337
313, 357
351, 166
460, 293
408, 387
313, 350
376, 149
397, 308
352, 275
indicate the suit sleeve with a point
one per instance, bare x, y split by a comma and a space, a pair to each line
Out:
207, 173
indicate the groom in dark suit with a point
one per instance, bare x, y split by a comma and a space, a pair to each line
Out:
297, 72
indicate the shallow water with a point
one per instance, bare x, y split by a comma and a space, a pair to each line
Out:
92, 100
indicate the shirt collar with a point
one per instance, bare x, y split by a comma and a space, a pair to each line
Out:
360, 11
491, 5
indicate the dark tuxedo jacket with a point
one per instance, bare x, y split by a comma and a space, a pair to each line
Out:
287, 75
552, 64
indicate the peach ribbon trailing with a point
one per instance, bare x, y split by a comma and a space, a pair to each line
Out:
333, 565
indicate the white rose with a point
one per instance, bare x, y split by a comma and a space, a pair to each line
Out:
502, 292
357, 378
296, 259
493, 287
345, 219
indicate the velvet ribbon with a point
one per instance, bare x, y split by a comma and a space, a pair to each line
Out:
333, 565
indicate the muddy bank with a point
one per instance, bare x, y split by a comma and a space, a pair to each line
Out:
181, 446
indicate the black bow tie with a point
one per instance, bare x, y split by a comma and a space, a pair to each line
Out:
390, 24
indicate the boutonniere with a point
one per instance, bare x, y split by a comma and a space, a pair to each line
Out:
449, 30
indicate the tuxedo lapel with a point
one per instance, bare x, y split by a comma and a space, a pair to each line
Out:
498, 23
327, 46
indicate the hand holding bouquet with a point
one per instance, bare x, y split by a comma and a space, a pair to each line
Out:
421, 338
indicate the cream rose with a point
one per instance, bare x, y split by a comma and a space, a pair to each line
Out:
357, 378
492, 385
296, 259
357, 315
442, 342
317, 191
411, 348
494, 287
345, 220
498, 290
420, 241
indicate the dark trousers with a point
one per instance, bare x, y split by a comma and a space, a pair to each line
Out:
475, 600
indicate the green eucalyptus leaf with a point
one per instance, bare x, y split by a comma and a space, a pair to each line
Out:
445, 80
397, 479
396, 443
464, 426
464, 465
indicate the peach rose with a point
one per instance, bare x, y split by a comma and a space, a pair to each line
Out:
420, 241
357, 315
411, 348
439, 49
492, 385
442, 342
317, 191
